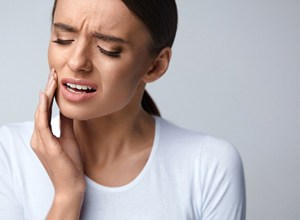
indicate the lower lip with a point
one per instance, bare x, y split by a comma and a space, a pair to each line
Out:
76, 97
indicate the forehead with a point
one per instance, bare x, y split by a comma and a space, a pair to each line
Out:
98, 15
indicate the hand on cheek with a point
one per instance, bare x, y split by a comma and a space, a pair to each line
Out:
60, 156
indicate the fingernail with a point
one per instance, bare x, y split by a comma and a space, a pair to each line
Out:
55, 76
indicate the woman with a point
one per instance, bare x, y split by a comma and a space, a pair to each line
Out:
113, 157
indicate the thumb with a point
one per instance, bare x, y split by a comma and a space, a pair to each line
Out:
66, 127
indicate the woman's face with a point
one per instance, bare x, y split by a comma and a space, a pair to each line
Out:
99, 50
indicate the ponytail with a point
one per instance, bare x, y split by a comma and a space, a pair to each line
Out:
149, 105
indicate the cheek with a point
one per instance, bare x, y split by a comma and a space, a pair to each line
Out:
123, 77
120, 82
137, 66
56, 58
52, 59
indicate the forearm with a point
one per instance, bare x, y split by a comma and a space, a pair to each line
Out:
66, 208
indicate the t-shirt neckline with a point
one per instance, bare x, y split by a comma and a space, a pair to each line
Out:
93, 184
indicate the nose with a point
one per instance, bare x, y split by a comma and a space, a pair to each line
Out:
79, 60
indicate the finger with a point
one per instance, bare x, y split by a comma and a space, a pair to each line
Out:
51, 88
41, 155
50, 91
49, 79
36, 119
66, 127
38, 149
37, 144
48, 139
35, 138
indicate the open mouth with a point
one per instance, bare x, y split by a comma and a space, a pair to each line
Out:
75, 88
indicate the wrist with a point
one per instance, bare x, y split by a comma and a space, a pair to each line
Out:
68, 198
66, 207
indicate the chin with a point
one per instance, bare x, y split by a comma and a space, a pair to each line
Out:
75, 115
91, 110
75, 112
82, 113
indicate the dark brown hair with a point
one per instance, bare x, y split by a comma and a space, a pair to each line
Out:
160, 18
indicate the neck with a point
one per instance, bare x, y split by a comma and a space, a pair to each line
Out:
104, 139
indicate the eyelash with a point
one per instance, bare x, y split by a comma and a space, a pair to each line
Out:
62, 42
114, 54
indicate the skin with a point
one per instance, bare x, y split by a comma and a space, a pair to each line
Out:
108, 137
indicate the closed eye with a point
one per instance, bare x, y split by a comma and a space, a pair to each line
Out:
109, 53
62, 42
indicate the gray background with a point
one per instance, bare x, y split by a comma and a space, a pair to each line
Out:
234, 74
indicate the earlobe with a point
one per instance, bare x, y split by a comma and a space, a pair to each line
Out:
160, 65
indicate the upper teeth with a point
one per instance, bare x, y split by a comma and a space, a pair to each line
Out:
79, 87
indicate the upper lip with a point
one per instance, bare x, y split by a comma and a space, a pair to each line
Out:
81, 82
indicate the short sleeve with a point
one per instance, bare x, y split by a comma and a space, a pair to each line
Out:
9, 205
222, 182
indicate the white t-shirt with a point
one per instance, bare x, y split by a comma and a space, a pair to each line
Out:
188, 176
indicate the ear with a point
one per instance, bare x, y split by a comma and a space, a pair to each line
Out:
159, 65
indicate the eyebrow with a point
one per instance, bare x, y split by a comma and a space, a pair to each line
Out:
104, 37
109, 38
65, 27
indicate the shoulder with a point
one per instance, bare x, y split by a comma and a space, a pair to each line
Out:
175, 137
15, 134
21, 173
15, 141
19, 134
211, 166
208, 157
204, 146
15, 146
220, 152
18, 163
14, 151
